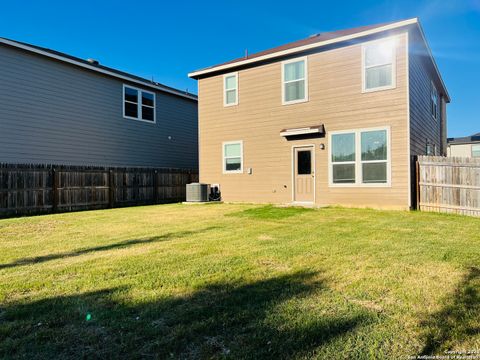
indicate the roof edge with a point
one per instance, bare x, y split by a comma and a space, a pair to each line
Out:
99, 70
198, 73
424, 38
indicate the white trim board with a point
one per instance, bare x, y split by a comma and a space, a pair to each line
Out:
300, 131
96, 69
409, 147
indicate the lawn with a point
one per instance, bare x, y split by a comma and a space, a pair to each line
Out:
238, 281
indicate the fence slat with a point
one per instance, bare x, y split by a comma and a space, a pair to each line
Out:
449, 185
35, 189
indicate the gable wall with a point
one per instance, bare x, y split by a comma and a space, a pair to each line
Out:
53, 112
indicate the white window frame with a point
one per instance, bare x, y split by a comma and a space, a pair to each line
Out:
475, 145
139, 105
393, 85
234, 74
305, 79
434, 92
224, 159
358, 159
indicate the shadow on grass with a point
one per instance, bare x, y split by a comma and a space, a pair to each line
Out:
270, 212
118, 245
233, 320
458, 320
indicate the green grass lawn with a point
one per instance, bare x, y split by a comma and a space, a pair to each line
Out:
238, 281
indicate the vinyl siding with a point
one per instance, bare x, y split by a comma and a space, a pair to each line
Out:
423, 127
52, 112
460, 150
335, 100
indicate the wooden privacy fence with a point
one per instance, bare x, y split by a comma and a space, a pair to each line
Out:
448, 185
35, 189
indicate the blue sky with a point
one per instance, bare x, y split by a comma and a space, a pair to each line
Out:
167, 39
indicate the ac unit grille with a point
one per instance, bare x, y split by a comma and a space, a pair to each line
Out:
197, 192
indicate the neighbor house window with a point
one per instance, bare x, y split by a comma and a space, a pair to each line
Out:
294, 81
138, 104
476, 150
230, 89
360, 157
434, 101
233, 157
378, 65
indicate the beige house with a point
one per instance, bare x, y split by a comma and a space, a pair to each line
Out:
468, 146
336, 118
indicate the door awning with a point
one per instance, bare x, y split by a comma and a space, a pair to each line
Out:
310, 130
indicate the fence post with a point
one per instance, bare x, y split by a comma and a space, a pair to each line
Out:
111, 189
54, 189
155, 186
417, 180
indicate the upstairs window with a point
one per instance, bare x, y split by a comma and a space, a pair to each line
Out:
233, 157
434, 101
138, 104
294, 81
476, 150
378, 65
230, 89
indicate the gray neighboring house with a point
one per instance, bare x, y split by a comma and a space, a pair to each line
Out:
59, 109
468, 146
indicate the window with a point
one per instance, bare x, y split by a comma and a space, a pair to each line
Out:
476, 150
430, 149
233, 157
360, 157
374, 156
304, 162
230, 89
294, 81
343, 158
138, 104
378, 60
434, 101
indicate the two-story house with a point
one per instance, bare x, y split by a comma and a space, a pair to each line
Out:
336, 118
467, 146
59, 109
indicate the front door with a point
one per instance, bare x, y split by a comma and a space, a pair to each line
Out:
304, 174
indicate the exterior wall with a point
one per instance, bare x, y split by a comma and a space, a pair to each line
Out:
335, 100
423, 126
53, 112
459, 150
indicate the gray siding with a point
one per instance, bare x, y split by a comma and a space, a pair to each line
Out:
423, 126
53, 112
